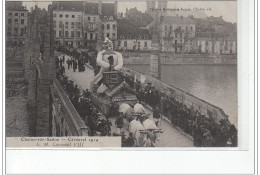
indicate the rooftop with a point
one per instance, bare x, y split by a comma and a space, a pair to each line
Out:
177, 20
15, 5
91, 8
108, 9
68, 5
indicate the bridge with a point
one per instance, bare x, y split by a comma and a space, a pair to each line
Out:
55, 114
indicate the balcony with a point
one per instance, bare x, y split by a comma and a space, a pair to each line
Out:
91, 29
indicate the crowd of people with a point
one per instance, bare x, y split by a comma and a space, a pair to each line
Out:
205, 131
80, 58
80, 100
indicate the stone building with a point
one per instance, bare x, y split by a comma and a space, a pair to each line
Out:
215, 36
215, 43
108, 18
91, 23
177, 34
140, 40
77, 23
68, 23
16, 23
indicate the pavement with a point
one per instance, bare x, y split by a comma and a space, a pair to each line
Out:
171, 137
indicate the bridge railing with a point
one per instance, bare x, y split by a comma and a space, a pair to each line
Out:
207, 109
74, 123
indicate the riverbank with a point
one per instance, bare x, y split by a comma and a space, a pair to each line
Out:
183, 59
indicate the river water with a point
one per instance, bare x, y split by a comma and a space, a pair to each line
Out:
216, 84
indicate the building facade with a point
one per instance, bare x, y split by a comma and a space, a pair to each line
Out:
91, 23
16, 23
108, 18
68, 23
140, 40
76, 23
177, 34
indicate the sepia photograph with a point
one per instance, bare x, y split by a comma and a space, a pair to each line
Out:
121, 74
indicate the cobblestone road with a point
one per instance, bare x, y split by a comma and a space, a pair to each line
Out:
171, 136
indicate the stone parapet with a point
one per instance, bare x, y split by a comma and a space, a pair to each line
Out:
144, 59
64, 115
205, 108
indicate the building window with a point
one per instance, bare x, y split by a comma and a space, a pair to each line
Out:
89, 18
114, 35
91, 26
73, 16
114, 26
16, 21
138, 44
15, 31
10, 14
9, 21
108, 26
78, 34
191, 28
103, 26
145, 37
105, 17
67, 16
66, 25
16, 14
145, 44
66, 34
91, 35
21, 32
79, 24
60, 33
72, 33
125, 43
94, 19
61, 15
22, 21
72, 25
9, 31
60, 24
108, 35
22, 14
54, 15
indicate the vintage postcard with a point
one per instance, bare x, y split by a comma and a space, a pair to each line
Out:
121, 74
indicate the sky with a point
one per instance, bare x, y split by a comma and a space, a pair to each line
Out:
226, 9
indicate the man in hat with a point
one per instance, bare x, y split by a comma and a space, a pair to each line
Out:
115, 63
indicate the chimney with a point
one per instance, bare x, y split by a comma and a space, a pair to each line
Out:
100, 7
115, 8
